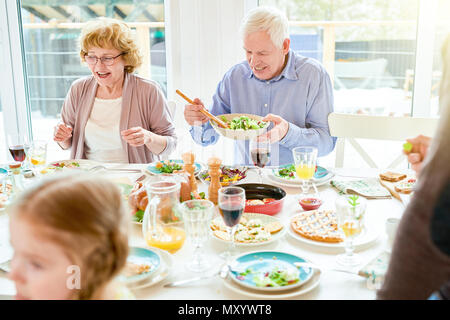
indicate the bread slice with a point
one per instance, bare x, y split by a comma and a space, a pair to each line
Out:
392, 176
405, 186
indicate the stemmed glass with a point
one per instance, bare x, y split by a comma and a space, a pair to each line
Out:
197, 215
305, 166
17, 145
231, 205
260, 152
350, 212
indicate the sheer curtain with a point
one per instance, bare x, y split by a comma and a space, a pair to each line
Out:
203, 43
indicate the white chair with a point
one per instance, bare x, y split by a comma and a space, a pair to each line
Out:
368, 72
353, 126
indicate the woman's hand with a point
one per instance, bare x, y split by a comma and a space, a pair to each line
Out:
62, 132
137, 136
420, 145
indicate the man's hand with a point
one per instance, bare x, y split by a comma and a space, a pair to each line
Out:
62, 132
418, 152
279, 130
193, 115
137, 136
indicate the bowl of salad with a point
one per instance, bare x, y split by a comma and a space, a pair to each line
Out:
241, 126
228, 175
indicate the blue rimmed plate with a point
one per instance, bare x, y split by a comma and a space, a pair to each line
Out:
258, 270
321, 175
140, 257
153, 170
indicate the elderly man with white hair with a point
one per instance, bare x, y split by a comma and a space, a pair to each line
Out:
291, 91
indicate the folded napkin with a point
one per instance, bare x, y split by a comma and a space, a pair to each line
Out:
369, 188
375, 270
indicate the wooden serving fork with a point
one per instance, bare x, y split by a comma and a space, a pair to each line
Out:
204, 111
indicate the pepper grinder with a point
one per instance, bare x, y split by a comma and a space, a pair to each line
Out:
214, 172
188, 160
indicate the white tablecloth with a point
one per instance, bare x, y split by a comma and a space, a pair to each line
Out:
333, 285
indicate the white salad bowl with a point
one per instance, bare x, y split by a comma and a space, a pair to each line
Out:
239, 134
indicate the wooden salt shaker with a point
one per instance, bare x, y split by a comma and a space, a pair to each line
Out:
214, 172
189, 167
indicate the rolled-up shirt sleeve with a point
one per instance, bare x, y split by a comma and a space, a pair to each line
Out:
317, 131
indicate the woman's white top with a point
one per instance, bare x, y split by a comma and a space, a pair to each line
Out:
102, 133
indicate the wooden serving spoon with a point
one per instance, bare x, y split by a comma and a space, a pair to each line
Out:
204, 111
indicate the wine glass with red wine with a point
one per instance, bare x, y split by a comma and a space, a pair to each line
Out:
260, 153
17, 145
231, 205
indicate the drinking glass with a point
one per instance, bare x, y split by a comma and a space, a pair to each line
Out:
37, 155
197, 215
305, 166
350, 221
260, 152
231, 205
17, 145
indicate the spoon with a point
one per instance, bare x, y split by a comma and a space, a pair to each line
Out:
223, 273
100, 167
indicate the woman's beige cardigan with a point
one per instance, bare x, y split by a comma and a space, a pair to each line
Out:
143, 105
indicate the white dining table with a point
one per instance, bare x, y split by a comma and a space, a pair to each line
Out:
330, 284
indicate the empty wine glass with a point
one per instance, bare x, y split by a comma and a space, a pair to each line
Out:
197, 215
260, 152
305, 166
231, 205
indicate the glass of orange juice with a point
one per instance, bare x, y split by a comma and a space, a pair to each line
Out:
37, 155
305, 166
162, 226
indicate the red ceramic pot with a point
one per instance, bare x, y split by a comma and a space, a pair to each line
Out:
257, 191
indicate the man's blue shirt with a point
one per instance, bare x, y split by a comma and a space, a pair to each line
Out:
302, 95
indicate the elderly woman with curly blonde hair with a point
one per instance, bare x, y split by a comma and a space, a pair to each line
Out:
114, 115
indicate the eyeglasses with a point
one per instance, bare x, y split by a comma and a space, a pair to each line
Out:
107, 61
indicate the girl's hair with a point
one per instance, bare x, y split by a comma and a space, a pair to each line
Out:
268, 19
110, 33
85, 215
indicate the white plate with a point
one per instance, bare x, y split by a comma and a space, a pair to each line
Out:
367, 237
264, 219
165, 269
307, 287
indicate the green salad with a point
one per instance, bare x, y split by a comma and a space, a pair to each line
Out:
278, 277
244, 122
287, 172
168, 166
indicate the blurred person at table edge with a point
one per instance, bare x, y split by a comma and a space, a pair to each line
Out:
420, 259
114, 115
69, 236
291, 91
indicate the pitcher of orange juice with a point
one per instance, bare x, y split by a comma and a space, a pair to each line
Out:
162, 226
